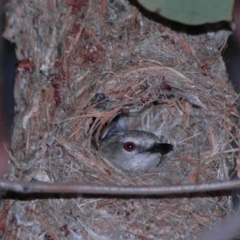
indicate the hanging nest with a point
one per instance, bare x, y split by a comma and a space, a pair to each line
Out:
80, 66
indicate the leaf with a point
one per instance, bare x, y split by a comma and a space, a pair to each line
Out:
192, 12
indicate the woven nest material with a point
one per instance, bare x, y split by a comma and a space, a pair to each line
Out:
81, 65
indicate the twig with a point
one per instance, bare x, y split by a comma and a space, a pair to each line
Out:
77, 188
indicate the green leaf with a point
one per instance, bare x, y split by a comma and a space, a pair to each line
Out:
192, 12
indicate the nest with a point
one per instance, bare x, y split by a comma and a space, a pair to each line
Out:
75, 76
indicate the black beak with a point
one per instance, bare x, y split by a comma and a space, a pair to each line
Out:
162, 148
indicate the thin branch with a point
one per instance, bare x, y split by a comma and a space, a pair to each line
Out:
78, 188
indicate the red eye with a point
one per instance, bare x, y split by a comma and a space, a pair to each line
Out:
129, 146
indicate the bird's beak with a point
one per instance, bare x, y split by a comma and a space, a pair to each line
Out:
162, 148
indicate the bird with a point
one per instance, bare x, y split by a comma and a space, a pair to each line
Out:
126, 143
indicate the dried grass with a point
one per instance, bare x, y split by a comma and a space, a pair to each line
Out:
91, 61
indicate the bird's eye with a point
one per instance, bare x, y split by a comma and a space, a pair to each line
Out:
129, 146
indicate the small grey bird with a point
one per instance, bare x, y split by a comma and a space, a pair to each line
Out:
134, 150
126, 144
